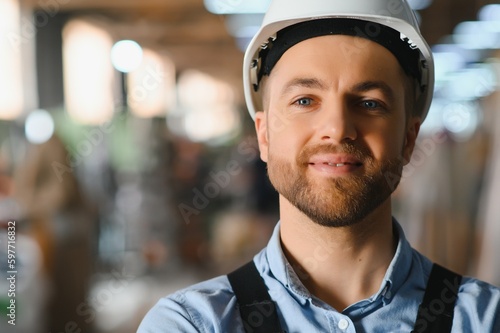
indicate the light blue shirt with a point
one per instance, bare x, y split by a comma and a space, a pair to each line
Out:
210, 306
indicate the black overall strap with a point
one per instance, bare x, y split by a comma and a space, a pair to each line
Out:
435, 313
257, 309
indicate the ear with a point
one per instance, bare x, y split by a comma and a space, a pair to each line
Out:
412, 129
262, 136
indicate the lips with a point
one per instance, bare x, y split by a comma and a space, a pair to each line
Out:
335, 160
339, 164
334, 164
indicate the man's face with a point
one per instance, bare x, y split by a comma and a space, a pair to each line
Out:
335, 134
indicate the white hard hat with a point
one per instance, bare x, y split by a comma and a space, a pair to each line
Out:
395, 16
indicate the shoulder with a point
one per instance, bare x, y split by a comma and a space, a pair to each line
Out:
479, 305
472, 287
204, 307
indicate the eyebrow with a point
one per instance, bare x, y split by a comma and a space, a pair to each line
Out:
314, 83
375, 85
311, 83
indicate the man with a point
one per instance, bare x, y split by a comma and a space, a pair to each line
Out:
343, 87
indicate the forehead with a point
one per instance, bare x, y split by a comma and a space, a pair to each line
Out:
338, 58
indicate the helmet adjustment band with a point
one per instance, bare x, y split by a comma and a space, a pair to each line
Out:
407, 54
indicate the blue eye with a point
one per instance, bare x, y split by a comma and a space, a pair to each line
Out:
370, 104
304, 102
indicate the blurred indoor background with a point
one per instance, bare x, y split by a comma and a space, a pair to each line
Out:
129, 163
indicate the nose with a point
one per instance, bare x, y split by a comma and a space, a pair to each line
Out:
336, 125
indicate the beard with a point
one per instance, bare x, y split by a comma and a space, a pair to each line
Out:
335, 201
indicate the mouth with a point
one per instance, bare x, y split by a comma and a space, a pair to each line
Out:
338, 165
334, 164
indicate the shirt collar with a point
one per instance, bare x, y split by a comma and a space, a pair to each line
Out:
278, 264
394, 278
400, 266
282, 269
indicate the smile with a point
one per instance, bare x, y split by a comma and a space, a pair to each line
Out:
340, 164
334, 164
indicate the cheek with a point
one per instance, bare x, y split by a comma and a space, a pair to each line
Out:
384, 143
277, 122
286, 143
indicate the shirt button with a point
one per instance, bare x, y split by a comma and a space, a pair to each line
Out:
343, 324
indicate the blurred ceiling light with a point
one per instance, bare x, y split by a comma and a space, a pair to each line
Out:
237, 6
478, 34
197, 89
11, 89
202, 126
126, 55
208, 105
471, 83
490, 13
88, 72
151, 87
419, 4
39, 127
468, 55
434, 121
461, 119
447, 62
243, 27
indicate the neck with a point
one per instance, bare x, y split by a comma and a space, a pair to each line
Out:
339, 265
